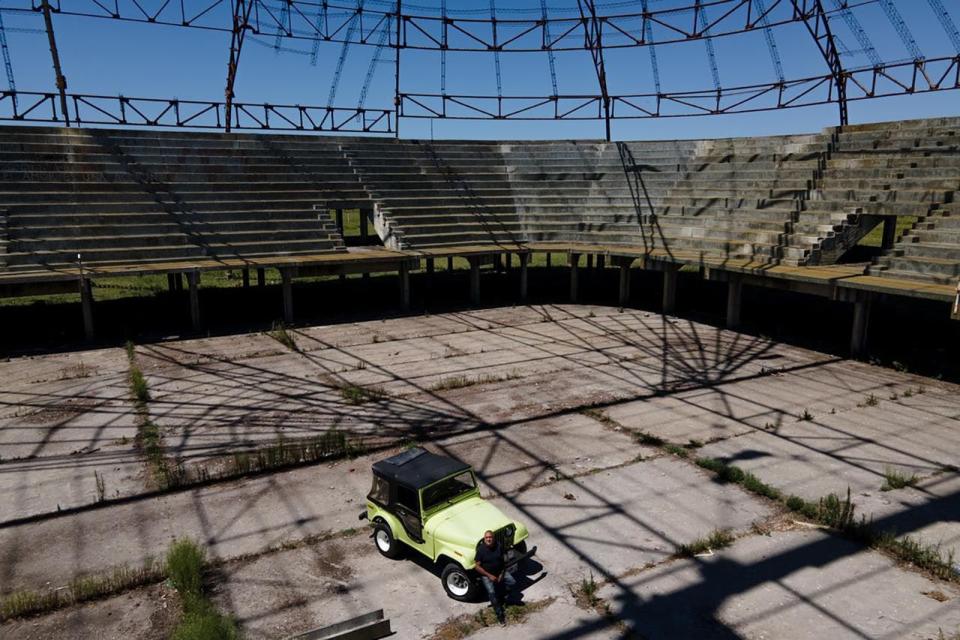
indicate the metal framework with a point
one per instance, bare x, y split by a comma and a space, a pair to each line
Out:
387, 24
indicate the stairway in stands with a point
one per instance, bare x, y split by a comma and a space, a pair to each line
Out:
737, 198
875, 171
437, 194
924, 155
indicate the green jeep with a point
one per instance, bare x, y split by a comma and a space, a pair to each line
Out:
431, 503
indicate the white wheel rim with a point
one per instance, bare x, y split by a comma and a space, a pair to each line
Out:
383, 540
458, 584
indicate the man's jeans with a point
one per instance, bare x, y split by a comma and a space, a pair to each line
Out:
507, 581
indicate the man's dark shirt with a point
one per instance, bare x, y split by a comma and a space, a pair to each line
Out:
490, 558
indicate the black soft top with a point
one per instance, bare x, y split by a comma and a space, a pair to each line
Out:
418, 467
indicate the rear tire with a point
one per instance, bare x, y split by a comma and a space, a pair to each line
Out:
458, 584
387, 545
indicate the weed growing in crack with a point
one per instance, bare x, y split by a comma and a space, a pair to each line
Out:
278, 331
718, 539
355, 394
806, 416
893, 479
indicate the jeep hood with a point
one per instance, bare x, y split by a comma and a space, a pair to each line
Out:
464, 523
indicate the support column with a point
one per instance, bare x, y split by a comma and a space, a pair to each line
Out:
193, 281
589, 261
178, 279
889, 232
624, 283
449, 263
430, 268
549, 260
861, 326
474, 280
404, 286
734, 296
574, 268
524, 260
364, 229
171, 282
86, 303
339, 220
670, 274
286, 280
261, 277
601, 262
246, 278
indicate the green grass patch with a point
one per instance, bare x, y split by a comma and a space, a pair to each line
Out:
875, 237
676, 449
718, 539
893, 479
201, 621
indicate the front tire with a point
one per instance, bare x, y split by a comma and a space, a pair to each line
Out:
458, 583
387, 545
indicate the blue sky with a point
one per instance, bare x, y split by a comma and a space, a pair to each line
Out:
110, 57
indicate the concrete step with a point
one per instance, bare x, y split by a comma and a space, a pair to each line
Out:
943, 250
889, 195
194, 234
938, 270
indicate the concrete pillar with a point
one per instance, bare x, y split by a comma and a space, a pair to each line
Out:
549, 260
474, 280
449, 263
574, 268
589, 261
86, 304
261, 277
889, 232
861, 326
364, 230
246, 278
339, 219
286, 281
404, 286
178, 280
193, 281
171, 282
734, 297
524, 260
670, 274
430, 267
624, 283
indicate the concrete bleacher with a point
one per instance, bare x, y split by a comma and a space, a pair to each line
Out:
125, 199
133, 197
437, 194
738, 197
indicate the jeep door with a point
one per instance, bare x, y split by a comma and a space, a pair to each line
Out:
407, 507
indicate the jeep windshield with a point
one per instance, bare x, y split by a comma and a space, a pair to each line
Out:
449, 490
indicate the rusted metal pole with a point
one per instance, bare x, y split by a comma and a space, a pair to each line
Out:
55, 55
241, 17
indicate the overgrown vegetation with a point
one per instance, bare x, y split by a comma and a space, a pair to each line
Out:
27, 603
201, 620
718, 539
893, 479
149, 436
839, 514
586, 594
464, 625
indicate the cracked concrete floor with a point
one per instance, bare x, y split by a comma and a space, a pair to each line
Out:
617, 510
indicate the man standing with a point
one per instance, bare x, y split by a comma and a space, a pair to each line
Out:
492, 570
